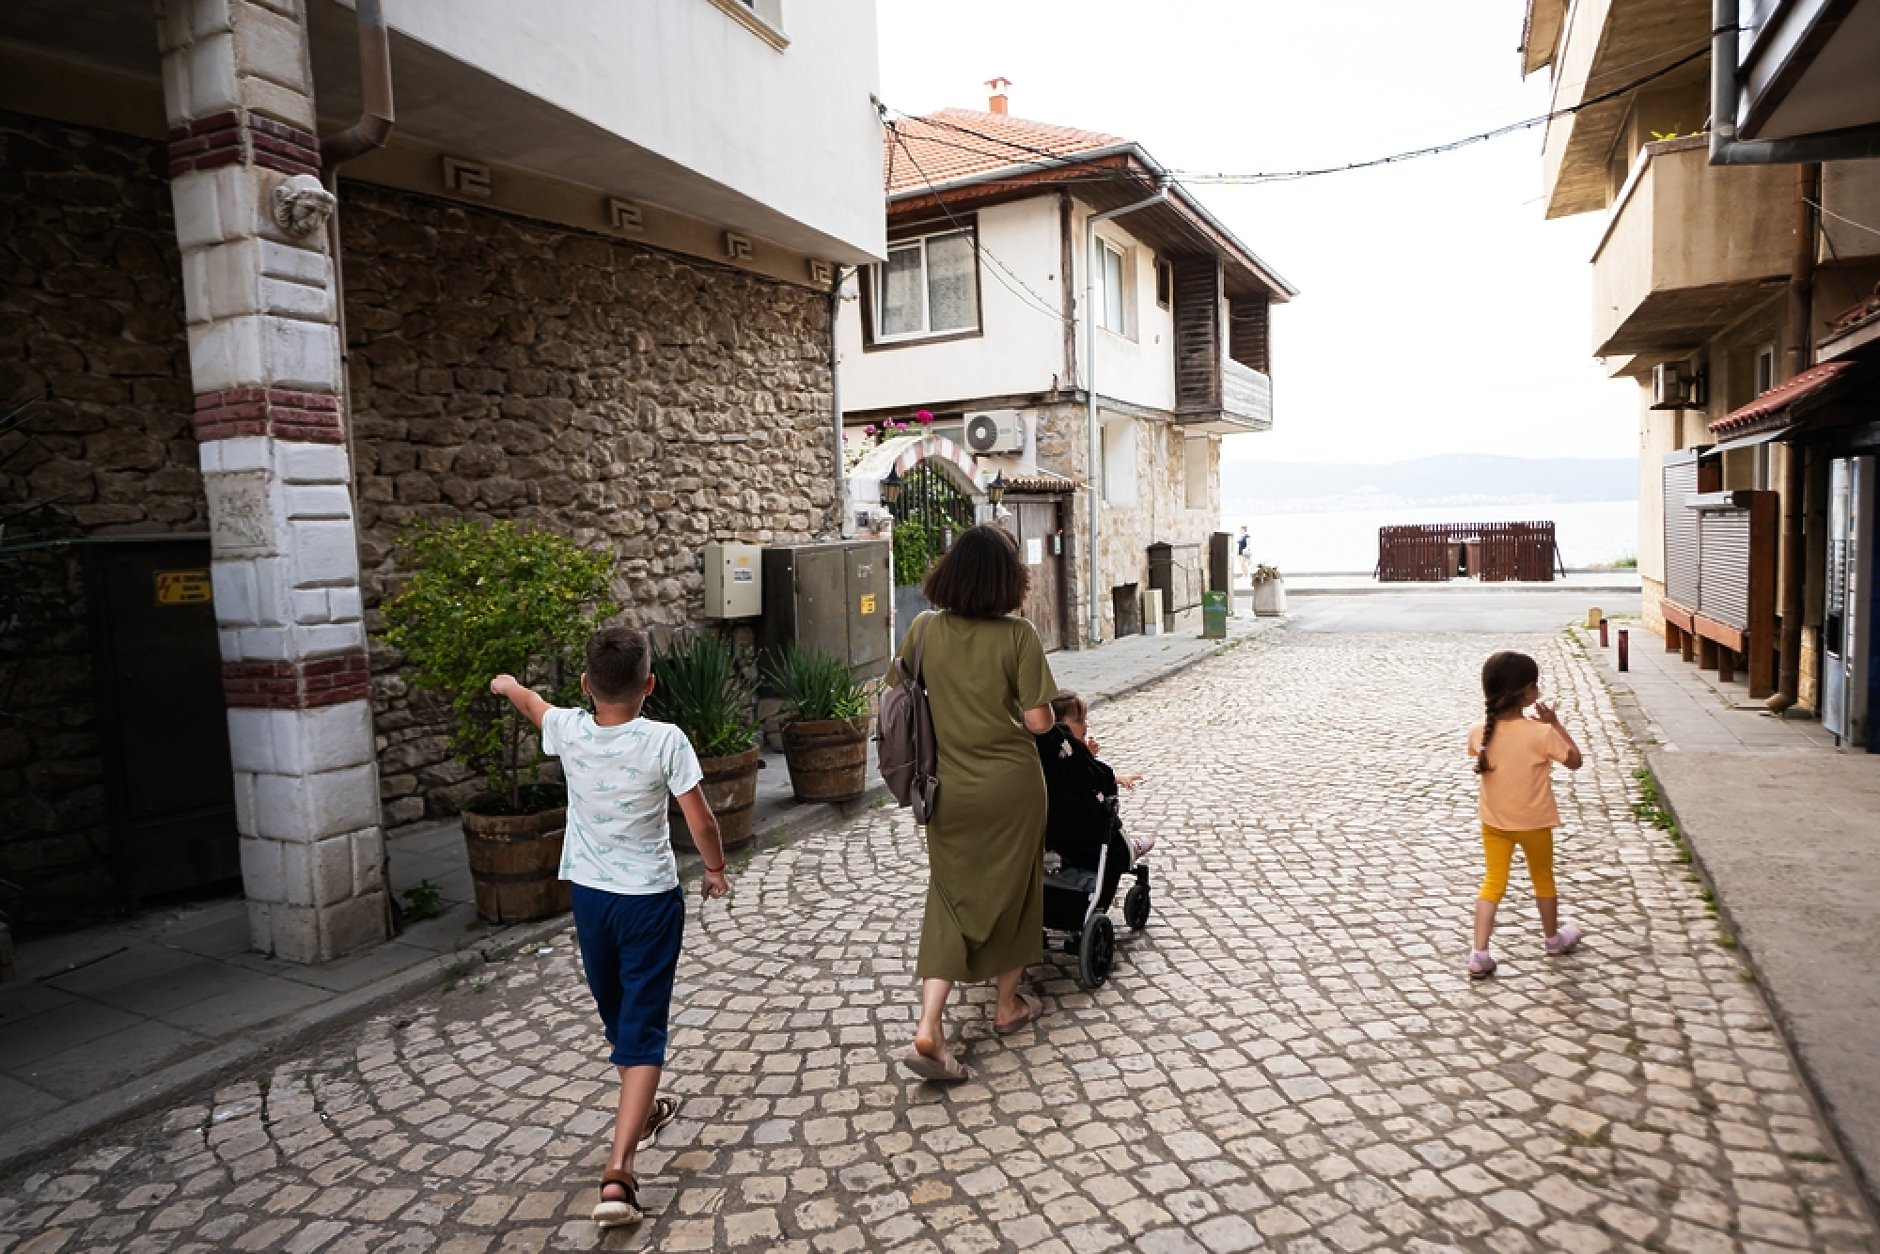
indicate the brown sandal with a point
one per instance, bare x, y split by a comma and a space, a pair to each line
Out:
618, 1214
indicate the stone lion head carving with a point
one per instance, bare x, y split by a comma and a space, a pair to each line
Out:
302, 206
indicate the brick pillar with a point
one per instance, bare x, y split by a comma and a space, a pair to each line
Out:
265, 357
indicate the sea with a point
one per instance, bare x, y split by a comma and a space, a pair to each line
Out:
1344, 541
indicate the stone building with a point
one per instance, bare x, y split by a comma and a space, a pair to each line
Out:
1015, 248
587, 283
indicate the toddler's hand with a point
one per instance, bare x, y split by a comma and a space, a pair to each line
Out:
1090, 743
716, 885
1545, 713
501, 684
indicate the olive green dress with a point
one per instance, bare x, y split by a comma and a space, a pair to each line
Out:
985, 839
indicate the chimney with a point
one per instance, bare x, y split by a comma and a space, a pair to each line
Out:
998, 85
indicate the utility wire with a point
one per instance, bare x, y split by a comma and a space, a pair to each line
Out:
1860, 226
1049, 160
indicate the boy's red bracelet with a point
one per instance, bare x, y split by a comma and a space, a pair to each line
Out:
713, 870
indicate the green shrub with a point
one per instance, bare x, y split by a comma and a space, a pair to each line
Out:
486, 599
816, 686
916, 548
706, 688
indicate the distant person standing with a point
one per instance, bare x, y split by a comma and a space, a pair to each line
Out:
1243, 557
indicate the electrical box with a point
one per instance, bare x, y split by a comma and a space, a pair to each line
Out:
832, 597
734, 580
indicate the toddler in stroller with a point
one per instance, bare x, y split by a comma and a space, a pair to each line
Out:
1086, 850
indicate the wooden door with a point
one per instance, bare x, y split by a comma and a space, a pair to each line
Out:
1034, 524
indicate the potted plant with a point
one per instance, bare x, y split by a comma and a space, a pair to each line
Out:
1269, 590
705, 686
825, 724
484, 599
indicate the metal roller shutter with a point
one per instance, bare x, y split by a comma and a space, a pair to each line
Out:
1680, 481
1723, 556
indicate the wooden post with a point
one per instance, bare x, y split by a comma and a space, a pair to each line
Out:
1764, 542
1706, 653
1673, 634
1687, 645
1726, 664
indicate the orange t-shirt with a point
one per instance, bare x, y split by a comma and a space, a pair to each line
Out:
1518, 792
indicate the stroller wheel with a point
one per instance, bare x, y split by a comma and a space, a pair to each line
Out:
1096, 952
1136, 907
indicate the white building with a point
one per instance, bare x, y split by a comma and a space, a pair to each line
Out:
985, 309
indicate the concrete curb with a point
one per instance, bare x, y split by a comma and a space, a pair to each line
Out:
86, 1118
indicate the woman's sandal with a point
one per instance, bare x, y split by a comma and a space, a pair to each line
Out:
946, 1069
613, 1213
665, 1110
1033, 1008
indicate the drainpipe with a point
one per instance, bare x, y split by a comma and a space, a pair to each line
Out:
845, 517
1090, 387
374, 126
1855, 144
371, 131
1801, 335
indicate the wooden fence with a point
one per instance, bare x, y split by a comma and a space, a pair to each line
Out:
1493, 552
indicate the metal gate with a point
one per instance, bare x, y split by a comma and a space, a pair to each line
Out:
931, 511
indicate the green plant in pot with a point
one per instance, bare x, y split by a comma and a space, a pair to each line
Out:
825, 724
484, 599
706, 687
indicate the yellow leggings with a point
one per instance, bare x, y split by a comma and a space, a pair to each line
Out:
1537, 850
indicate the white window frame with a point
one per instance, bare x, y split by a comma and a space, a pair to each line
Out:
763, 18
1763, 371
1125, 298
1119, 467
877, 304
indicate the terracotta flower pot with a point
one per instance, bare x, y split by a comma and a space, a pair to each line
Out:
515, 861
828, 759
730, 786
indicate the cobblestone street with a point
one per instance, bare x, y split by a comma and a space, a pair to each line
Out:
1288, 1058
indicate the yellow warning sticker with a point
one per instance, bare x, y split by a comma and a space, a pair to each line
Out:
868, 603
183, 587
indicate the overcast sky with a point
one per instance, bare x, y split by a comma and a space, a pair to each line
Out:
1439, 312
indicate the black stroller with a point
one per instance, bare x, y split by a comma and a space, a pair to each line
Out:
1085, 841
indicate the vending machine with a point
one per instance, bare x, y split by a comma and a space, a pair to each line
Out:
1847, 619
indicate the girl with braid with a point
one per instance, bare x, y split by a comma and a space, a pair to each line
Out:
1514, 757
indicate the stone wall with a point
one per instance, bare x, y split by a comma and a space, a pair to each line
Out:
639, 401
91, 317
1160, 512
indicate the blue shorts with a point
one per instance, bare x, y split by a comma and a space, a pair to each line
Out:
630, 948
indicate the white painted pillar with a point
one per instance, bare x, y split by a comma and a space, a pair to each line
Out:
265, 358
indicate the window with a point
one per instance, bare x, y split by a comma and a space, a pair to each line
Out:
1765, 368
1113, 275
1195, 471
1164, 284
1119, 462
763, 18
929, 286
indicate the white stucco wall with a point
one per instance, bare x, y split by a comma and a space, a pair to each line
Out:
1022, 345
791, 129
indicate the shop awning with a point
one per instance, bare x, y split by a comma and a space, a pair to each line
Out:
1775, 412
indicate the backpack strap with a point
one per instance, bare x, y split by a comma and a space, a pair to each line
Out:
920, 645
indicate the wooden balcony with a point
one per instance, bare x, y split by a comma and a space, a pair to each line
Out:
1215, 336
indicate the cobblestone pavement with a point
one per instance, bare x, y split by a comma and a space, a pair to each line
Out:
1288, 1058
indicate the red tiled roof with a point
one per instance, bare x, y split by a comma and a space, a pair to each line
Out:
959, 143
1781, 397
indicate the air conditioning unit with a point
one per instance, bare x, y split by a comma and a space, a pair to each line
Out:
995, 431
1677, 385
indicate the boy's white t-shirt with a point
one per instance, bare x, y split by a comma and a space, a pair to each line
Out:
618, 781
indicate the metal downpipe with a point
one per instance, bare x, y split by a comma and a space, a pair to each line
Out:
1856, 144
845, 517
374, 126
1801, 315
1090, 391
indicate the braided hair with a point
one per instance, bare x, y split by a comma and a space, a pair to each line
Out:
1506, 677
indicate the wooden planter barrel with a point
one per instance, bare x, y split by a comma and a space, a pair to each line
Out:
515, 863
828, 759
730, 786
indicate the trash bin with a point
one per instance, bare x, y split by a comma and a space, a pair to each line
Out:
1214, 614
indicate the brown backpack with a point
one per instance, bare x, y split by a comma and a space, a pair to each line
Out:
905, 748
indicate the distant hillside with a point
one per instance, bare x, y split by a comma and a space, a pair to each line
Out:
1446, 479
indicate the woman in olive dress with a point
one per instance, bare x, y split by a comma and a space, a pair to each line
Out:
989, 688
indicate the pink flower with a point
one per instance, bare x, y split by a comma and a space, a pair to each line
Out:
923, 415
868, 430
